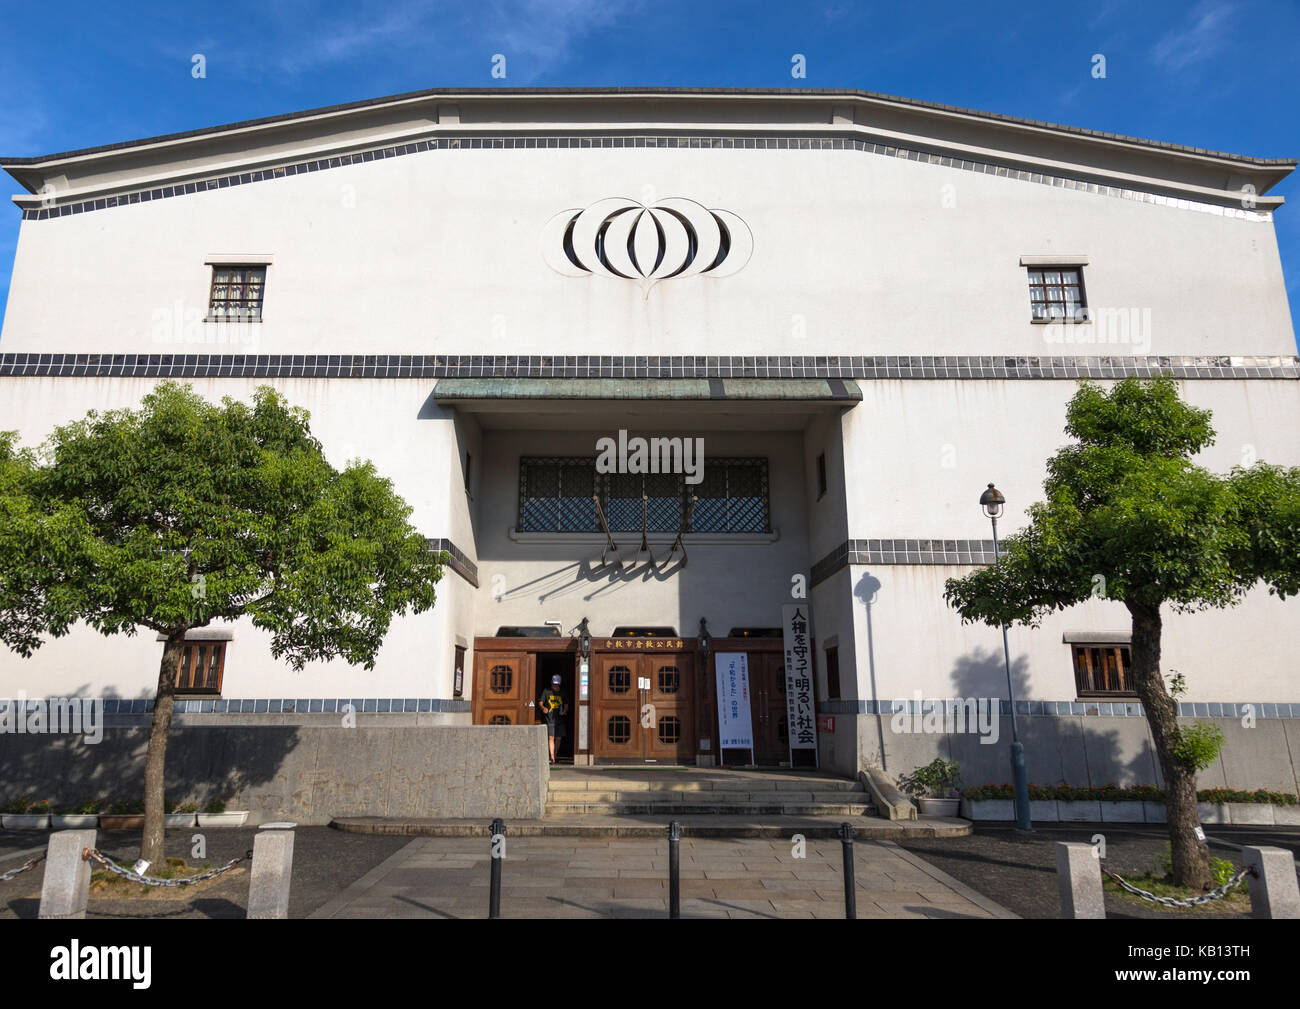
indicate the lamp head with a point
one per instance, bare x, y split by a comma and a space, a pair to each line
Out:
991, 501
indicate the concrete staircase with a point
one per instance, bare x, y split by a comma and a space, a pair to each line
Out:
633, 791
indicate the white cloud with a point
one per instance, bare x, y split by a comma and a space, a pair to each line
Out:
300, 37
1198, 40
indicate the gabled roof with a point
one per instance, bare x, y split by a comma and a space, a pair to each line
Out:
648, 91
1049, 148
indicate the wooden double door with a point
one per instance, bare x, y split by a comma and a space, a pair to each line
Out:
503, 688
768, 708
643, 707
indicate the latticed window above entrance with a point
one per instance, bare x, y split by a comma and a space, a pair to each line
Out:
556, 496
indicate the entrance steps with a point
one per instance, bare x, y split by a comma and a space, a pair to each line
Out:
686, 791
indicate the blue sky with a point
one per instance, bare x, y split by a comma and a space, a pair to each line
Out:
1210, 73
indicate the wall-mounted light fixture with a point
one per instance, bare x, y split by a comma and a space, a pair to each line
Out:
584, 639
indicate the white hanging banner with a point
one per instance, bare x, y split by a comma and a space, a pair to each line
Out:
800, 711
735, 729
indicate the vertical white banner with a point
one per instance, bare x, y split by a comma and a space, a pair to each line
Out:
735, 728
800, 710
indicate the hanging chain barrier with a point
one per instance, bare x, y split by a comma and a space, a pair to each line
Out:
95, 855
5, 877
1218, 893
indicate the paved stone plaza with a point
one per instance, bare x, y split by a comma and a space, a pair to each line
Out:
433, 877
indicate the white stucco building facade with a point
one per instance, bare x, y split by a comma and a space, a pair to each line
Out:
833, 290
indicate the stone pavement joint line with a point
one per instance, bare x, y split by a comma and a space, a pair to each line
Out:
447, 877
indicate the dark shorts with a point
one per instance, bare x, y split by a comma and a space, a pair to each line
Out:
557, 728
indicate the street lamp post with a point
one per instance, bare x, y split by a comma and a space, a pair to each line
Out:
992, 501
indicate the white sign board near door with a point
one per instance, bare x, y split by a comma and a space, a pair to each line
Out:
735, 729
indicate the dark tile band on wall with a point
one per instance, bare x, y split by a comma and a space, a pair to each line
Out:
457, 559
277, 705
568, 141
426, 366
1115, 707
902, 552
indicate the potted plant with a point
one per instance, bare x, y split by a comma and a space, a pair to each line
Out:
179, 816
989, 802
939, 779
83, 816
123, 815
26, 814
214, 814
1079, 805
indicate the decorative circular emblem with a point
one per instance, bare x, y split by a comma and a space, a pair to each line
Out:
619, 237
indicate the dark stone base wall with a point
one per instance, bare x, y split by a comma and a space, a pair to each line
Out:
307, 774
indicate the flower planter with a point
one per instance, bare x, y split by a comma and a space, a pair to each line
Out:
178, 819
938, 807
1078, 811
121, 821
1209, 812
1043, 811
1122, 812
1154, 812
1286, 816
74, 821
234, 818
1257, 813
988, 809
25, 821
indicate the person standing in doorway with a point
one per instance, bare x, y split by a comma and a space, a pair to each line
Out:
555, 708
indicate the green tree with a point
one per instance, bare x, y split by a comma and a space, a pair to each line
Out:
184, 512
1127, 503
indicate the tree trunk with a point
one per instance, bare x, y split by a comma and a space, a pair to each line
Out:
151, 845
1191, 858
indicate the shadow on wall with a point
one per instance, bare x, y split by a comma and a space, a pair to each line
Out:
1059, 748
866, 591
590, 579
203, 763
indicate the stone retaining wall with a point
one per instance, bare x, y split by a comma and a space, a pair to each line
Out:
307, 774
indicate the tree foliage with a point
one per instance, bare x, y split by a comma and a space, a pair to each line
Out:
1127, 503
1129, 512
185, 512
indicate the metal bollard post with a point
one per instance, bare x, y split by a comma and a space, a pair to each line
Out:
498, 838
850, 894
674, 870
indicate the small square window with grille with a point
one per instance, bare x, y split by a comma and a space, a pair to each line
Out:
620, 679
557, 495
1103, 671
1056, 293
237, 293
